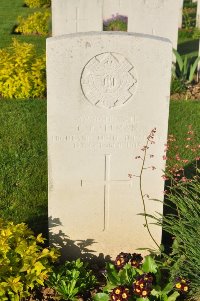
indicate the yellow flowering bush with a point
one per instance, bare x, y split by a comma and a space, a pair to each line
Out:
22, 73
37, 3
25, 265
36, 23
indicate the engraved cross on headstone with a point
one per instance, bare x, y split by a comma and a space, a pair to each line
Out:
106, 186
76, 19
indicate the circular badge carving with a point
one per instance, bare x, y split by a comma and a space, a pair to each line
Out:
108, 80
154, 3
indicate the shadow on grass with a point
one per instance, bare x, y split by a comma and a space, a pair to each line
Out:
188, 47
73, 249
13, 30
39, 224
189, 173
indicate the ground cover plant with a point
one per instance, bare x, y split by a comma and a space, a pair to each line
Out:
131, 278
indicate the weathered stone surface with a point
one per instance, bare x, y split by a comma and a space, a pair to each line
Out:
106, 92
71, 16
155, 17
180, 14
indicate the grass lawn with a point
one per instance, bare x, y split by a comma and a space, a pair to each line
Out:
9, 11
23, 147
23, 161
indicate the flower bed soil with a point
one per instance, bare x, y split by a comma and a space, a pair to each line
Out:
192, 93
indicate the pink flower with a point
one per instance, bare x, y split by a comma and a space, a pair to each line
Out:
184, 179
165, 178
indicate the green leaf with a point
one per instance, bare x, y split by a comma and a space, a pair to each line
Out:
173, 296
178, 59
142, 299
112, 274
185, 67
149, 265
109, 287
167, 288
101, 297
155, 293
193, 68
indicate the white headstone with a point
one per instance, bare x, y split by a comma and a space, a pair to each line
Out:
71, 16
198, 15
106, 92
155, 17
180, 14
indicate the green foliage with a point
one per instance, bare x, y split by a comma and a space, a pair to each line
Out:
143, 282
188, 21
24, 263
36, 23
71, 279
196, 33
185, 69
183, 223
177, 86
116, 23
37, 3
22, 73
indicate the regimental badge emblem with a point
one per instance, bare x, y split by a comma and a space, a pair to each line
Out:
108, 80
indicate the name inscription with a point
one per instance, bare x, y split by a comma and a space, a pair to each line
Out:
99, 135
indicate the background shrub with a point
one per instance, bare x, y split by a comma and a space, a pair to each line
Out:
37, 3
36, 23
116, 23
22, 73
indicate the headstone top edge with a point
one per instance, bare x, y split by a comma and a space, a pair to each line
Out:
108, 33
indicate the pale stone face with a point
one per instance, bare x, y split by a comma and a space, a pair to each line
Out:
106, 92
156, 17
198, 14
154, 3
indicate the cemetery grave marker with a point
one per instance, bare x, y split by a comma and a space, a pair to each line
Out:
106, 92
155, 17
